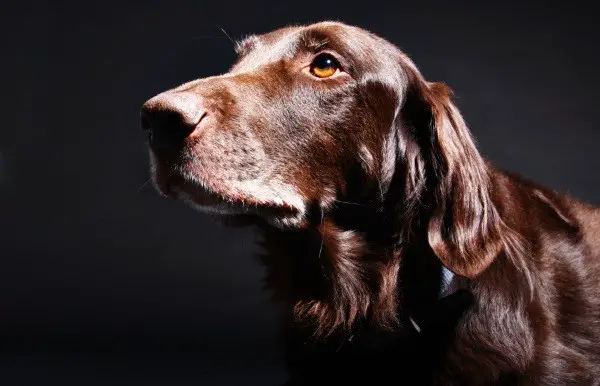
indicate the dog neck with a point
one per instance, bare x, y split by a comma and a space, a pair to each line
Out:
342, 273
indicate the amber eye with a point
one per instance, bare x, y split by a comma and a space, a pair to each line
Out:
324, 66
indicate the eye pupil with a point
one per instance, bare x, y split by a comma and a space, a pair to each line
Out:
325, 62
324, 66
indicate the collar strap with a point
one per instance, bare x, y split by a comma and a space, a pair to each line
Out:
450, 283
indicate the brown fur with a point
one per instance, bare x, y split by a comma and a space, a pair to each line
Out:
361, 185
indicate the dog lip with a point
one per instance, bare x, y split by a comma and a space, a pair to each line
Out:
209, 197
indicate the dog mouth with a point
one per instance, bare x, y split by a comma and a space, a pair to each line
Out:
227, 202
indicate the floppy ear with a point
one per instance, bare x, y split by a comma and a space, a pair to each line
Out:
464, 228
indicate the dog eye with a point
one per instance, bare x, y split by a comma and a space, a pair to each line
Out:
324, 66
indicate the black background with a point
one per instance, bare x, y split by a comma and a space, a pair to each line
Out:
103, 282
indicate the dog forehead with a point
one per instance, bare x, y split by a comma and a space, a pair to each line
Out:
371, 57
257, 50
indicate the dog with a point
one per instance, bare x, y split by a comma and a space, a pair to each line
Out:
391, 244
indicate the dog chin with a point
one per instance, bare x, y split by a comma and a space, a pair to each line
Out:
235, 215
274, 203
231, 212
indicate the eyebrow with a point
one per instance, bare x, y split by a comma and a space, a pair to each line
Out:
313, 41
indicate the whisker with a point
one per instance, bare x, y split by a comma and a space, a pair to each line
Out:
322, 236
226, 34
209, 37
350, 203
321, 247
380, 188
144, 184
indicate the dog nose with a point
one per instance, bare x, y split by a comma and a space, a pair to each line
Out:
172, 115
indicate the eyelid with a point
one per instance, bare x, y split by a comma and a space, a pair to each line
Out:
336, 57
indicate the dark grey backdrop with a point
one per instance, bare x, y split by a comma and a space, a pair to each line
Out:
103, 280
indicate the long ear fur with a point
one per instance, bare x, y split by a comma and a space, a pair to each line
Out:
464, 229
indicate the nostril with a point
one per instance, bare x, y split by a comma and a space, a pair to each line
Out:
171, 116
202, 118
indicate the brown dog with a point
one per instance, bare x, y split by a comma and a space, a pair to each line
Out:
373, 199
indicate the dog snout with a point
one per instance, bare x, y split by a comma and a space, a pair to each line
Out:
172, 116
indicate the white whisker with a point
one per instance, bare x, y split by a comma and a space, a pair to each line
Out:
144, 184
322, 237
226, 34
209, 37
350, 203
380, 187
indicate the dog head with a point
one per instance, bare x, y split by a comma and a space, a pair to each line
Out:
313, 115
